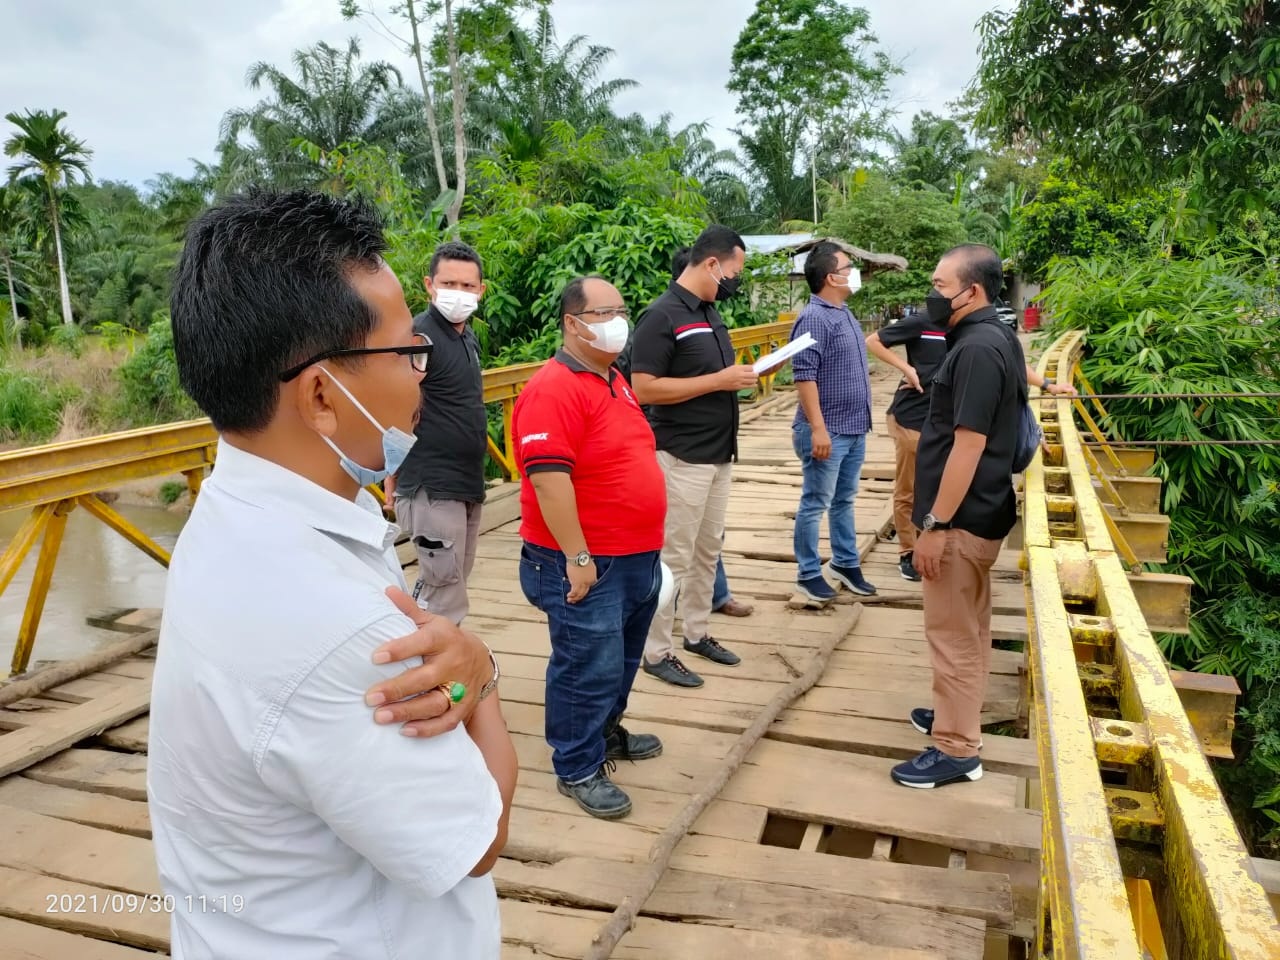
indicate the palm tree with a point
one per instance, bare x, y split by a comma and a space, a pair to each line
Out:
10, 220
781, 194
544, 82
45, 148
334, 100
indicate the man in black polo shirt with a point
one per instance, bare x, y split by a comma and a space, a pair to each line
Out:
926, 344
683, 369
439, 489
964, 506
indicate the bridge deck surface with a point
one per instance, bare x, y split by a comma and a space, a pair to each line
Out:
809, 851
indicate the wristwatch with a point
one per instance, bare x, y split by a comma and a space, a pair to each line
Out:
933, 523
581, 560
1048, 382
492, 685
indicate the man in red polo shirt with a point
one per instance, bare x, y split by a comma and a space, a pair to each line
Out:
593, 502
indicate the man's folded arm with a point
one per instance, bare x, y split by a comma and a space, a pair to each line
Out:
424, 812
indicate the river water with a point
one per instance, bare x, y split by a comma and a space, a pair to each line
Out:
98, 570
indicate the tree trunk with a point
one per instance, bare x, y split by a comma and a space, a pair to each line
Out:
459, 132
13, 300
64, 290
437, 149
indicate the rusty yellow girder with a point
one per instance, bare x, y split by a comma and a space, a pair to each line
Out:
53, 479
1106, 703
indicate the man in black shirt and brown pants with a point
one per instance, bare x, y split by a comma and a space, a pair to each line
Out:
926, 344
439, 489
683, 369
964, 506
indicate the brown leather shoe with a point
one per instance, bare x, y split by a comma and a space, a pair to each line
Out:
736, 608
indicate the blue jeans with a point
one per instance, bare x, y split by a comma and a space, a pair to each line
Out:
596, 645
829, 485
720, 594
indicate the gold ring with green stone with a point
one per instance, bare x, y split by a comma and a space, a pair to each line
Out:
453, 691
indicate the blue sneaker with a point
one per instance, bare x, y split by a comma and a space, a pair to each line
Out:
922, 720
816, 589
852, 579
933, 768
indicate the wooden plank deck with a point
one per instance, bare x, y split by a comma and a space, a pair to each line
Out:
809, 851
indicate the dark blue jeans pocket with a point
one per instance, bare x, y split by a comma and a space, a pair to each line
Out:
531, 576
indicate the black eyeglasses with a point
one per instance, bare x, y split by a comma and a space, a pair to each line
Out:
419, 354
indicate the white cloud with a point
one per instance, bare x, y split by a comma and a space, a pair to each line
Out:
146, 82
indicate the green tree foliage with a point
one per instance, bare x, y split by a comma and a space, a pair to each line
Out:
1071, 219
886, 217
538, 82
332, 100
150, 378
1207, 326
935, 153
46, 150
812, 89
124, 258
1144, 93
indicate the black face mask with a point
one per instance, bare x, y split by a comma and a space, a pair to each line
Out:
727, 287
939, 307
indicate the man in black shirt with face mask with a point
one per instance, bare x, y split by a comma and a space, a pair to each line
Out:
439, 490
684, 371
965, 506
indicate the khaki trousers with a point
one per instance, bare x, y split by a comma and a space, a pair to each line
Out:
905, 443
957, 624
697, 498
444, 534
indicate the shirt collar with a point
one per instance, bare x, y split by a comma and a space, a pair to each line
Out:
687, 297
980, 315
577, 366
277, 489
444, 325
817, 301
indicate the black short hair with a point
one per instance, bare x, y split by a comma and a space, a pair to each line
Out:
979, 264
821, 261
454, 250
573, 298
715, 241
262, 285
680, 261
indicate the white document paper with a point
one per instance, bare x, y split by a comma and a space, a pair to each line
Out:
782, 355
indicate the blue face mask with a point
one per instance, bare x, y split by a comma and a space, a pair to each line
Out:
396, 445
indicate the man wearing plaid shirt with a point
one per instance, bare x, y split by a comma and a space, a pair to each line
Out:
832, 421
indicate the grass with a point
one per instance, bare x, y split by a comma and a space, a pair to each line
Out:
52, 394
170, 491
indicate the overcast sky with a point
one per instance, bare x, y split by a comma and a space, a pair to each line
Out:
146, 82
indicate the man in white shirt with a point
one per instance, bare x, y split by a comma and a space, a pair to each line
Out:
286, 823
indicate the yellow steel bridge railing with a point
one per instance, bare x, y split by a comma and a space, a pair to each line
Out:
52, 480
1140, 856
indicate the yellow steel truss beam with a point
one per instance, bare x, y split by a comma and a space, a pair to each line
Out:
1171, 806
52, 479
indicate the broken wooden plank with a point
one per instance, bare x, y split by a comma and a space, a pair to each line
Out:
22, 748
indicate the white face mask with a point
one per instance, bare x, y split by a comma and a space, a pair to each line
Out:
456, 305
611, 336
852, 280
